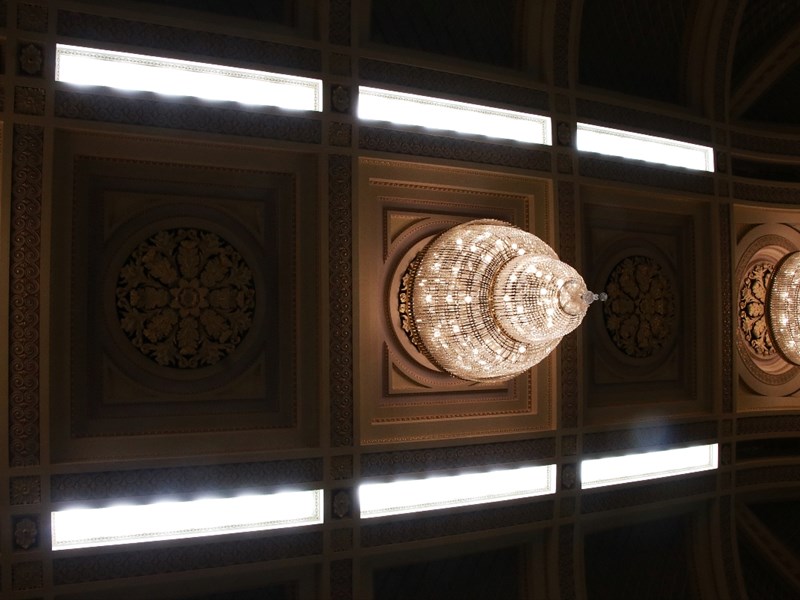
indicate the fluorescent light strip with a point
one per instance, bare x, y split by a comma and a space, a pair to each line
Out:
125, 71
89, 527
598, 472
615, 142
435, 113
432, 493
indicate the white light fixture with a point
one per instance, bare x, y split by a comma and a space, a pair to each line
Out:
626, 144
432, 493
436, 113
784, 307
598, 472
485, 301
126, 524
125, 71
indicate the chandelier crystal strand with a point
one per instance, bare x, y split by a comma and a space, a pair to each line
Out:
784, 303
489, 300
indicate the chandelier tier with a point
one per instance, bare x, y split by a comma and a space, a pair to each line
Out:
784, 307
487, 300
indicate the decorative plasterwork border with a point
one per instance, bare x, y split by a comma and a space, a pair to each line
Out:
185, 116
649, 437
340, 291
440, 525
121, 31
419, 78
640, 121
669, 178
24, 340
418, 144
158, 561
182, 480
646, 494
478, 455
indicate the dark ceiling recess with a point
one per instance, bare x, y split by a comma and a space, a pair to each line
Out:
493, 574
779, 103
763, 23
269, 11
783, 521
761, 578
634, 47
756, 169
649, 560
475, 30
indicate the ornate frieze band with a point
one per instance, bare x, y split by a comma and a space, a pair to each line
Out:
149, 35
157, 561
340, 251
449, 83
641, 121
669, 178
768, 425
418, 144
181, 480
766, 193
649, 437
153, 113
726, 307
767, 145
431, 459
423, 528
24, 306
646, 494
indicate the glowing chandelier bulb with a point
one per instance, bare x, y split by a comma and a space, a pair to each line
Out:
487, 300
783, 307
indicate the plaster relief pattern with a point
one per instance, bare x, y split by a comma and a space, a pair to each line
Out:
26, 208
185, 298
640, 310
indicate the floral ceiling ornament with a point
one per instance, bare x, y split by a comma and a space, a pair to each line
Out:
485, 301
753, 309
185, 298
640, 312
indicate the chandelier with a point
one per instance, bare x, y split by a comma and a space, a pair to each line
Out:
486, 301
783, 306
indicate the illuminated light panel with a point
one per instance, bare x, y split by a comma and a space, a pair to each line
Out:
88, 527
598, 472
398, 497
125, 71
615, 142
435, 113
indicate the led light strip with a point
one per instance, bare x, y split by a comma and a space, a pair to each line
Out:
436, 113
88, 527
125, 71
598, 472
626, 144
415, 495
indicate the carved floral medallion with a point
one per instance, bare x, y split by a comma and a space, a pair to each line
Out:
185, 298
753, 309
640, 311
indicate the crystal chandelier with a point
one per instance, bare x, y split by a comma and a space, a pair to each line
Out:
485, 301
783, 307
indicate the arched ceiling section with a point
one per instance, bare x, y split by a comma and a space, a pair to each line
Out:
485, 32
765, 73
634, 47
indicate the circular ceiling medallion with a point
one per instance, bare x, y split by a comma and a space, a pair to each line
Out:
753, 309
640, 311
185, 298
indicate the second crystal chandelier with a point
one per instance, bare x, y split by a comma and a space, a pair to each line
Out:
485, 301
